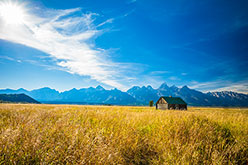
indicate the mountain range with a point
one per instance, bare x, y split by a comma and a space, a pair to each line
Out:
134, 96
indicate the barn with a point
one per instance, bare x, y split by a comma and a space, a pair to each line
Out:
171, 103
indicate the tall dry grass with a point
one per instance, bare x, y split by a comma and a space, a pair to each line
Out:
59, 134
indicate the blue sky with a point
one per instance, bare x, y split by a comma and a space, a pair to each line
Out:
74, 44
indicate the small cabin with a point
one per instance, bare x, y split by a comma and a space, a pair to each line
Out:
171, 103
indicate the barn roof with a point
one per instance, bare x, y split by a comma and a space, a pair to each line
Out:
174, 100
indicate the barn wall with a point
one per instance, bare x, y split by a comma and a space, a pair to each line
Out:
162, 106
162, 101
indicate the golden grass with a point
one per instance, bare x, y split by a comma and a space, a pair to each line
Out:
59, 134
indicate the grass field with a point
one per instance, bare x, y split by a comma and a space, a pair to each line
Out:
60, 134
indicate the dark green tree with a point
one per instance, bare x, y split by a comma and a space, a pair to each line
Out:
151, 103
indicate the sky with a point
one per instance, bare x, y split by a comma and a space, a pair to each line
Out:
119, 44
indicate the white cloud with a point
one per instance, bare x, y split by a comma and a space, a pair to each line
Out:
174, 78
106, 22
240, 88
65, 35
221, 85
159, 72
132, 1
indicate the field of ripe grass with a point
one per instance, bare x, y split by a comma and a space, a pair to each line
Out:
59, 134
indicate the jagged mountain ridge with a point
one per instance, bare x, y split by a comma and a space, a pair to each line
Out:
90, 95
191, 96
227, 96
134, 96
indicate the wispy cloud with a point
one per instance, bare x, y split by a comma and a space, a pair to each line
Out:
68, 37
106, 22
10, 59
242, 88
7, 58
131, 1
159, 72
174, 78
221, 85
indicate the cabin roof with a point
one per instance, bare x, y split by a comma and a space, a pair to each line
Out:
173, 100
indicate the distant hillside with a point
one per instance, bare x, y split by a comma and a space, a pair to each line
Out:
134, 96
17, 98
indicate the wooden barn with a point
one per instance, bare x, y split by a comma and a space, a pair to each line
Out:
171, 103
